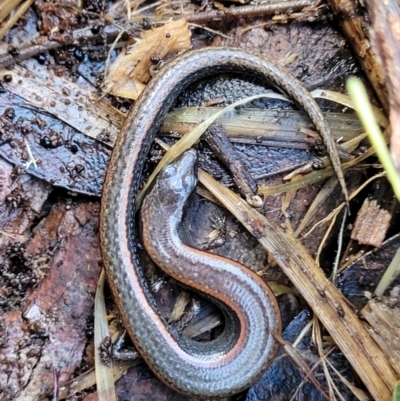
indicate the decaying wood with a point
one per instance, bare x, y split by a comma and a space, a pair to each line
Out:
383, 315
49, 331
371, 224
375, 215
352, 21
386, 44
217, 139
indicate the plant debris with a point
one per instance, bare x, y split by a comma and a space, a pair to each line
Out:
134, 66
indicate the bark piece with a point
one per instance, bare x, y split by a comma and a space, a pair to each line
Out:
371, 224
222, 147
19, 353
57, 310
386, 44
21, 199
374, 219
64, 157
383, 315
352, 21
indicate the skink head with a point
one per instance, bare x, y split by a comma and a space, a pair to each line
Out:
176, 181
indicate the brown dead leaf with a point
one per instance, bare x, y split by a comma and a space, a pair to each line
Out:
130, 72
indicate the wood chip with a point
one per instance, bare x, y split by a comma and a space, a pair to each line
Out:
180, 306
371, 224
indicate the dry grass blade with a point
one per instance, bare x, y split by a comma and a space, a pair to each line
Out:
325, 299
339, 249
322, 196
333, 215
294, 398
336, 211
263, 126
303, 332
346, 101
212, 31
189, 139
14, 18
390, 274
6, 7
317, 338
326, 190
104, 374
325, 237
279, 289
325, 161
88, 379
358, 393
313, 177
329, 186
377, 139
296, 358
286, 203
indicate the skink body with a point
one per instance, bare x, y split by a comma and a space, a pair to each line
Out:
246, 347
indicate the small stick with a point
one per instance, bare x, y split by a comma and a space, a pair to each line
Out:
220, 144
77, 37
249, 11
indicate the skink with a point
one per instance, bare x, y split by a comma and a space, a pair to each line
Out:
229, 364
